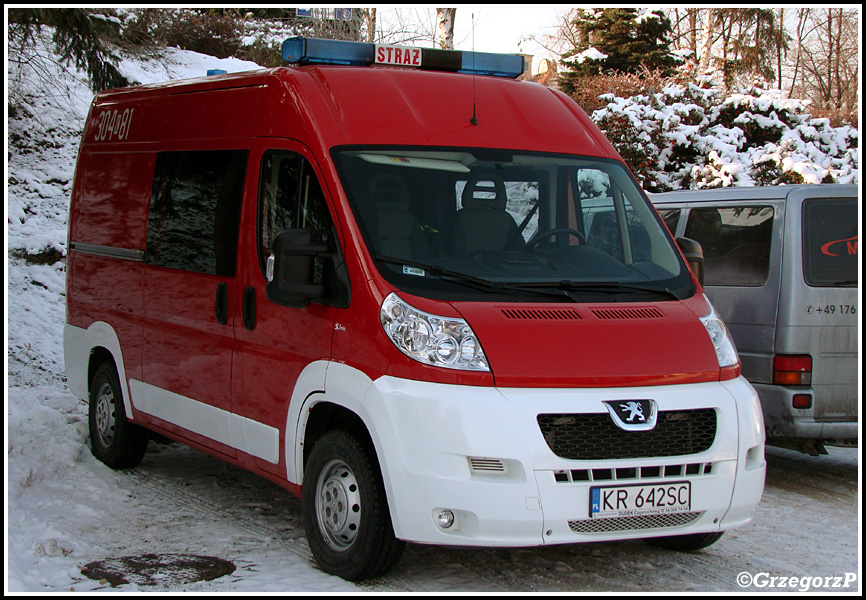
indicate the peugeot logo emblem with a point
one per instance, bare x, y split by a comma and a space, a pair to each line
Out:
633, 415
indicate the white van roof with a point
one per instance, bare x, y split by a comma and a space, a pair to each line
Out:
741, 193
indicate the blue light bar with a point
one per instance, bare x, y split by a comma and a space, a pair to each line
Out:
311, 51
486, 63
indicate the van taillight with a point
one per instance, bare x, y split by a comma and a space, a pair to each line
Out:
792, 369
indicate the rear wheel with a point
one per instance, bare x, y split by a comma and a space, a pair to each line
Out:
686, 543
113, 440
346, 517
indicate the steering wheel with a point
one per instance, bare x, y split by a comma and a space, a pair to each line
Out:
533, 243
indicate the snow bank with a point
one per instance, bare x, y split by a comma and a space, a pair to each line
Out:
57, 494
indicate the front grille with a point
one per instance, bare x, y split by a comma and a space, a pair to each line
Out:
593, 436
633, 523
630, 473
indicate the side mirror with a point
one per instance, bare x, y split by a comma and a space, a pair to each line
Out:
300, 272
694, 256
291, 269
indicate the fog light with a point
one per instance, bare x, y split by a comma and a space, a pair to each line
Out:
445, 519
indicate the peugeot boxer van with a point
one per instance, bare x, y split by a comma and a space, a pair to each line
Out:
780, 267
367, 277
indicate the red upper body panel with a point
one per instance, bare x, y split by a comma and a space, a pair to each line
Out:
325, 107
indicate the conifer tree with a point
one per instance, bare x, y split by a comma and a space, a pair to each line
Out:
618, 40
77, 39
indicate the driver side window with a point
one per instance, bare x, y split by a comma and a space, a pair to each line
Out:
290, 197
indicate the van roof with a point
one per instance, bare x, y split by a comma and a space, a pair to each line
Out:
745, 193
349, 105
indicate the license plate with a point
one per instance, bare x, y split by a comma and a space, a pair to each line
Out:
633, 500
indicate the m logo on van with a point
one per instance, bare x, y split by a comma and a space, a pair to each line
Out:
633, 415
841, 247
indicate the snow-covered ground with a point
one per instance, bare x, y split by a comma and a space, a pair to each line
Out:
64, 509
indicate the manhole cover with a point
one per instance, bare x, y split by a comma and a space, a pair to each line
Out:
158, 569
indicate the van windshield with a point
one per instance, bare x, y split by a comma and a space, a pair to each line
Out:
467, 223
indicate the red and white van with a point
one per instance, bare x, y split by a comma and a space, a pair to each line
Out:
430, 300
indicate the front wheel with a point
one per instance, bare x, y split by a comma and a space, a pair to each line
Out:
346, 517
686, 543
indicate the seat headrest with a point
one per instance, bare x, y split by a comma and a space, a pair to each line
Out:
704, 225
484, 190
390, 191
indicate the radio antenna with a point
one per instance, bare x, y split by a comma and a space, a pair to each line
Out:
474, 119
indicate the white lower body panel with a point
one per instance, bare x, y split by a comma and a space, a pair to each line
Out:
480, 453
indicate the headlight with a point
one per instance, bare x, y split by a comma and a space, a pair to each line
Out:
429, 339
726, 352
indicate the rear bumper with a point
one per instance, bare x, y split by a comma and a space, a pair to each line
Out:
782, 420
480, 453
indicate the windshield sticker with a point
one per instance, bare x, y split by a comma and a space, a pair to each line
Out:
407, 270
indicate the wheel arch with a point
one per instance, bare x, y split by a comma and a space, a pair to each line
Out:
326, 416
346, 403
101, 344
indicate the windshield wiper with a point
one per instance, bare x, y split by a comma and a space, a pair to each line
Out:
466, 279
436, 270
610, 287
559, 289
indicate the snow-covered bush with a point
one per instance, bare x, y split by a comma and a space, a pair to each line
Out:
691, 136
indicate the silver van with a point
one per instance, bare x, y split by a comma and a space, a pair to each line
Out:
780, 266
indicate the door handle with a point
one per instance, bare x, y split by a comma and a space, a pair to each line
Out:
249, 307
222, 303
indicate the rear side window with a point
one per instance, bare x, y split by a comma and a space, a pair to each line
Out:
195, 210
830, 242
735, 241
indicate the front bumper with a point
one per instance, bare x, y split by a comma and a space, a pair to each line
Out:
480, 453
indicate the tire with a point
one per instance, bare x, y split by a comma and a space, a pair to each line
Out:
345, 511
113, 440
686, 543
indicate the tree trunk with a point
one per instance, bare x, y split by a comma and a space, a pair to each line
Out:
707, 42
445, 18
370, 14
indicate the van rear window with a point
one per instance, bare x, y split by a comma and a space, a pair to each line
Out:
195, 211
735, 241
830, 242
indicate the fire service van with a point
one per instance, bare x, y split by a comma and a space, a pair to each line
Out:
383, 279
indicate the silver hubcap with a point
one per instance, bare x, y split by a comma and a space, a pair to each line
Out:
105, 415
338, 505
